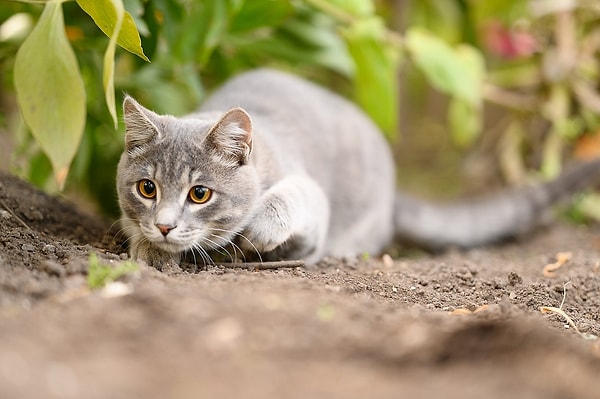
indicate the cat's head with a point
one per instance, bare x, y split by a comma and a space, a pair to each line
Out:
185, 182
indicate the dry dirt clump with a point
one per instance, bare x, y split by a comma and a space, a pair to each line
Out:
453, 325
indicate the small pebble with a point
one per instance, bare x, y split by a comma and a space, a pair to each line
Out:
387, 260
28, 247
36, 215
514, 279
116, 289
49, 249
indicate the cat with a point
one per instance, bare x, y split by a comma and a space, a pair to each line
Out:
281, 168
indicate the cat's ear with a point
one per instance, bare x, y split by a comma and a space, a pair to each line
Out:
139, 127
231, 137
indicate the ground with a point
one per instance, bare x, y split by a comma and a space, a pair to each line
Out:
452, 325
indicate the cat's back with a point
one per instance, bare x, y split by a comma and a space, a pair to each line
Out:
267, 91
308, 129
302, 116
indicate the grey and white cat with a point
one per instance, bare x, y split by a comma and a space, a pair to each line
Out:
290, 170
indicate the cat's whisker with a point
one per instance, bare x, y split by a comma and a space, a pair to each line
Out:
203, 254
252, 245
215, 245
125, 228
236, 248
131, 233
238, 234
206, 259
127, 231
137, 236
121, 234
229, 241
195, 261
118, 221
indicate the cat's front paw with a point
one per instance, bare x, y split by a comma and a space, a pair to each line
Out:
268, 230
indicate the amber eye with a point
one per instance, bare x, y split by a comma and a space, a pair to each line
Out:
200, 194
146, 188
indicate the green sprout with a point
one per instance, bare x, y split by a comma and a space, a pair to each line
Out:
99, 275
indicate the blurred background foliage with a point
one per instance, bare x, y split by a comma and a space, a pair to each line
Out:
471, 94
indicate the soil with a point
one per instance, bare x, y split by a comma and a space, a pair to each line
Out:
452, 325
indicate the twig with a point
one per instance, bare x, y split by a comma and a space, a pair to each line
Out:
561, 312
562, 303
508, 99
14, 215
282, 264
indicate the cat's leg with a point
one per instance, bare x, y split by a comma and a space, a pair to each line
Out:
291, 221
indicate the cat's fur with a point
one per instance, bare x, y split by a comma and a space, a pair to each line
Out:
296, 172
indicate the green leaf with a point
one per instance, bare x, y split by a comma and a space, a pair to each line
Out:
465, 121
552, 155
442, 18
202, 31
50, 90
311, 39
356, 8
589, 206
108, 71
510, 152
105, 16
260, 13
457, 71
507, 11
376, 75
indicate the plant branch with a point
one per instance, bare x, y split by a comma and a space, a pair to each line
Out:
282, 264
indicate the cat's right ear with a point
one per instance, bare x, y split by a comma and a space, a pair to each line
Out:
139, 128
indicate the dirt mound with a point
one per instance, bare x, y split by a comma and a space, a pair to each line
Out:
455, 325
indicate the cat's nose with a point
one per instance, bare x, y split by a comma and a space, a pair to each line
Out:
164, 228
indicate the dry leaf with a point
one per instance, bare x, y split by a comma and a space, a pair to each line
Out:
482, 308
561, 258
550, 309
587, 147
460, 311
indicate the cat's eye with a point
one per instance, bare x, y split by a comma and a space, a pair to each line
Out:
147, 188
200, 194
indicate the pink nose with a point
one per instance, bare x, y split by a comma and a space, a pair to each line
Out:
164, 229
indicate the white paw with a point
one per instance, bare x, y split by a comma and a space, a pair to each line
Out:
268, 230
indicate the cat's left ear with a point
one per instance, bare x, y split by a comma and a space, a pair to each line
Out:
231, 136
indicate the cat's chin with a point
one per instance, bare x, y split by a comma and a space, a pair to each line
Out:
171, 247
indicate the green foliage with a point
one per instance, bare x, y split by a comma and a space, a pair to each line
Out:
193, 47
99, 275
